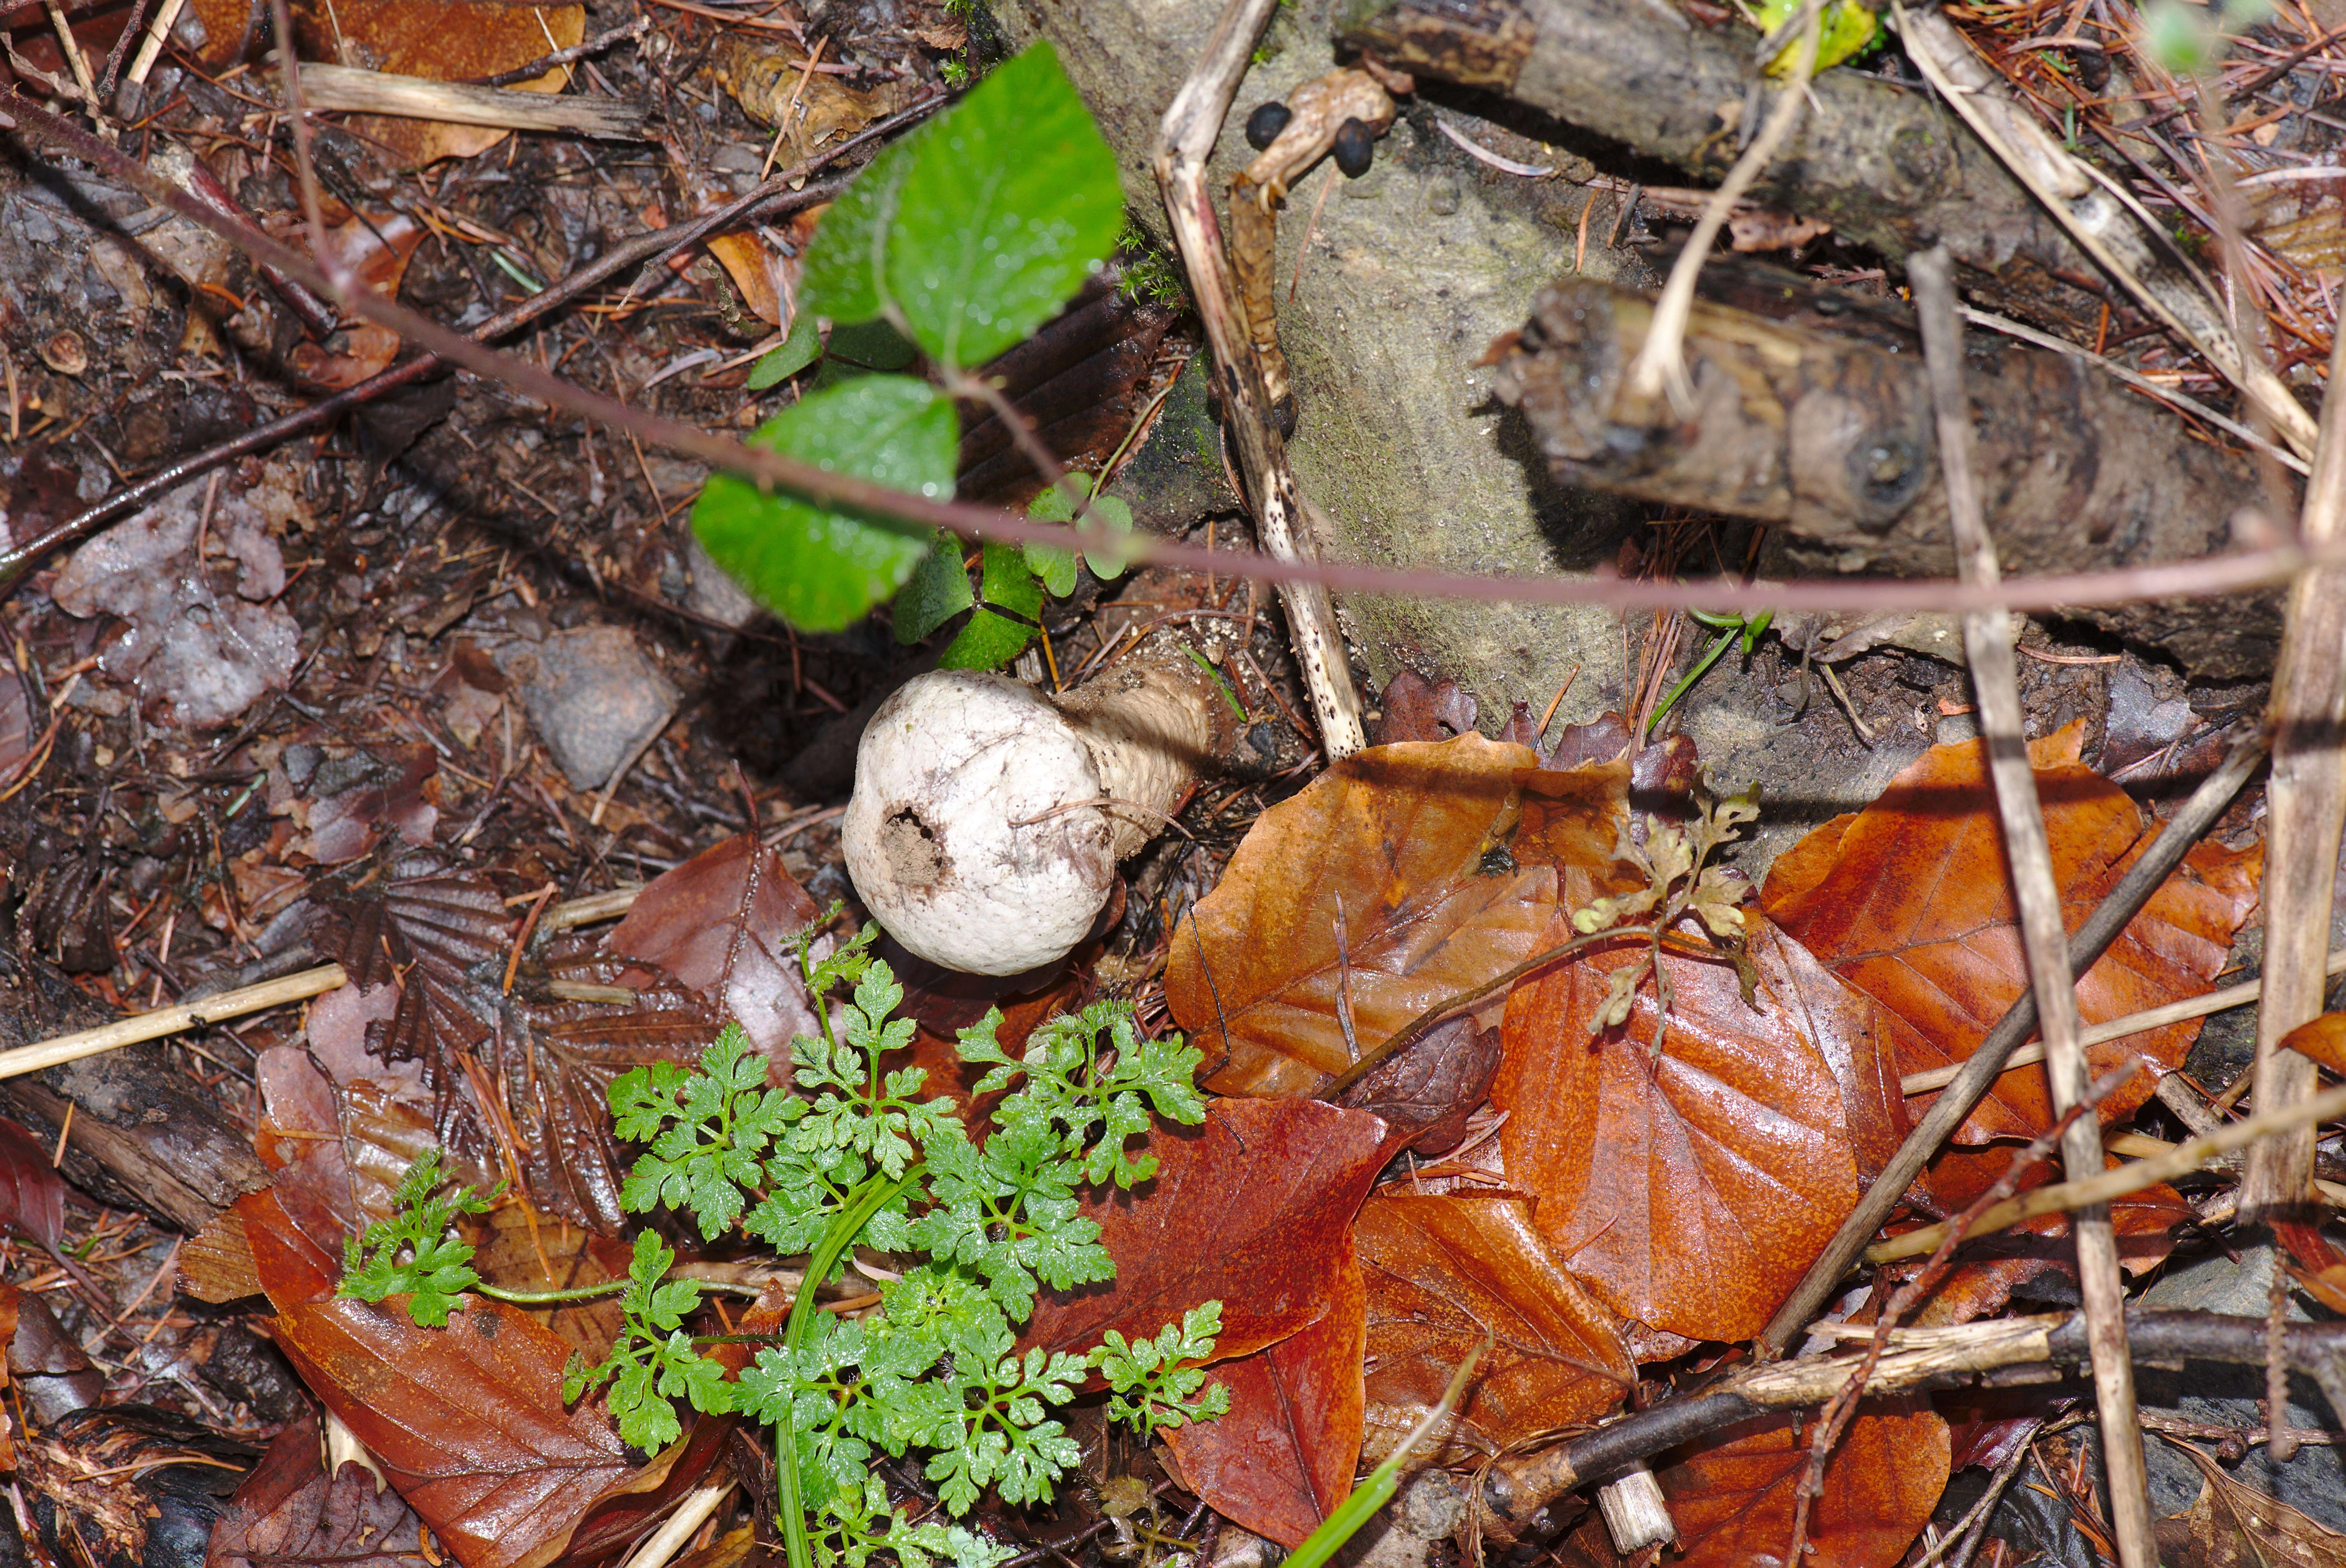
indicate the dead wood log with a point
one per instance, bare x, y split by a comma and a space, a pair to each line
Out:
1886, 164
141, 1139
1831, 434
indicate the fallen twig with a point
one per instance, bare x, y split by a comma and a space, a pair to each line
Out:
1988, 638
456, 103
2133, 1176
2141, 1022
2305, 811
297, 987
1979, 1072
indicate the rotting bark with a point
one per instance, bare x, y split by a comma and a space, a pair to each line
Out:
1888, 166
1411, 271
1831, 434
140, 1139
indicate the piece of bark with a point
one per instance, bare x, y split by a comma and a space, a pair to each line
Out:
1831, 435
140, 1140
1885, 164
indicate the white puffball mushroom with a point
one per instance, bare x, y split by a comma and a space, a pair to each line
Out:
988, 819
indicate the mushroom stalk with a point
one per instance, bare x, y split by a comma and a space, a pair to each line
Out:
988, 819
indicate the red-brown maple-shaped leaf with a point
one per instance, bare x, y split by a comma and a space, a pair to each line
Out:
1444, 1271
1687, 1190
1283, 1457
1253, 1209
289, 1510
1733, 1497
1413, 841
1909, 901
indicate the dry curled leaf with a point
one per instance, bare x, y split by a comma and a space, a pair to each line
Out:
1687, 1184
2234, 1525
289, 1510
1283, 1457
1253, 1209
1909, 901
1444, 1271
1733, 1496
1401, 877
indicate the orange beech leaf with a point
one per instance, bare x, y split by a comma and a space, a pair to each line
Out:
1688, 1190
1995, 1266
1909, 901
1253, 1209
1416, 841
1733, 1497
2322, 1041
1445, 1270
1283, 1457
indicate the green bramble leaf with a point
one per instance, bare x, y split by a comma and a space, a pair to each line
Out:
818, 568
794, 353
412, 1252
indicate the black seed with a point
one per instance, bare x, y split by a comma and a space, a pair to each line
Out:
1263, 126
1355, 144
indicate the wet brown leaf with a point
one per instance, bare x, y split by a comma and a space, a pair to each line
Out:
1733, 1498
1444, 1270
288, 1510
1284, 1455
2233, 1526
1444, 880
1426, 1093
446, 41
1687, 1190
1253, 1209
1415, 709
32, 1194
1909, 901
722, 923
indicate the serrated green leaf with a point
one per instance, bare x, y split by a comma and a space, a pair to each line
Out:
822, 570
791, 355
842, 279
1011, 201
861, 346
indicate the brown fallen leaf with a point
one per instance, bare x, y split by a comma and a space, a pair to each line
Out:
723, 923
375, 247
1254, 1210
1444, 1270
1689, 1189
1733, 1497
288, 1510
1283, 1457
32, 1193
2234, 1525
1909, 901
2321, 1042
1426, 1092
1443, 881
445, 41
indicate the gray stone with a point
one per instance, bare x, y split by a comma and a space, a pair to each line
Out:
714, 593
2315, 1481
594, 699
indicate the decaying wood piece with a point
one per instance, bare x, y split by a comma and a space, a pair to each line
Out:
1890, 168
453, 103
140, 1139
1830, 432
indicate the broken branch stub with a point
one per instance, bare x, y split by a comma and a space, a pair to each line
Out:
988, 819
1831, 434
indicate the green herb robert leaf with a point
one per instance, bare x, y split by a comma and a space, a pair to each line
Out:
1011, 202
817, 569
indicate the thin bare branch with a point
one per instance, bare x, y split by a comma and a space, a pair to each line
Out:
1995, 683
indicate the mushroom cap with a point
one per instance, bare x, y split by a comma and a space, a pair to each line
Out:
957, 837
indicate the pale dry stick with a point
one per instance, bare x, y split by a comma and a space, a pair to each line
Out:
2103, 218
2204, 576
2141, 1022
1660, 365
150, 47
1517, 1489
1979, 1072
2305, 806
1192, 124
1995, 683
678, 1528
74, 56
347, 88
2133, 1176
297, 987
